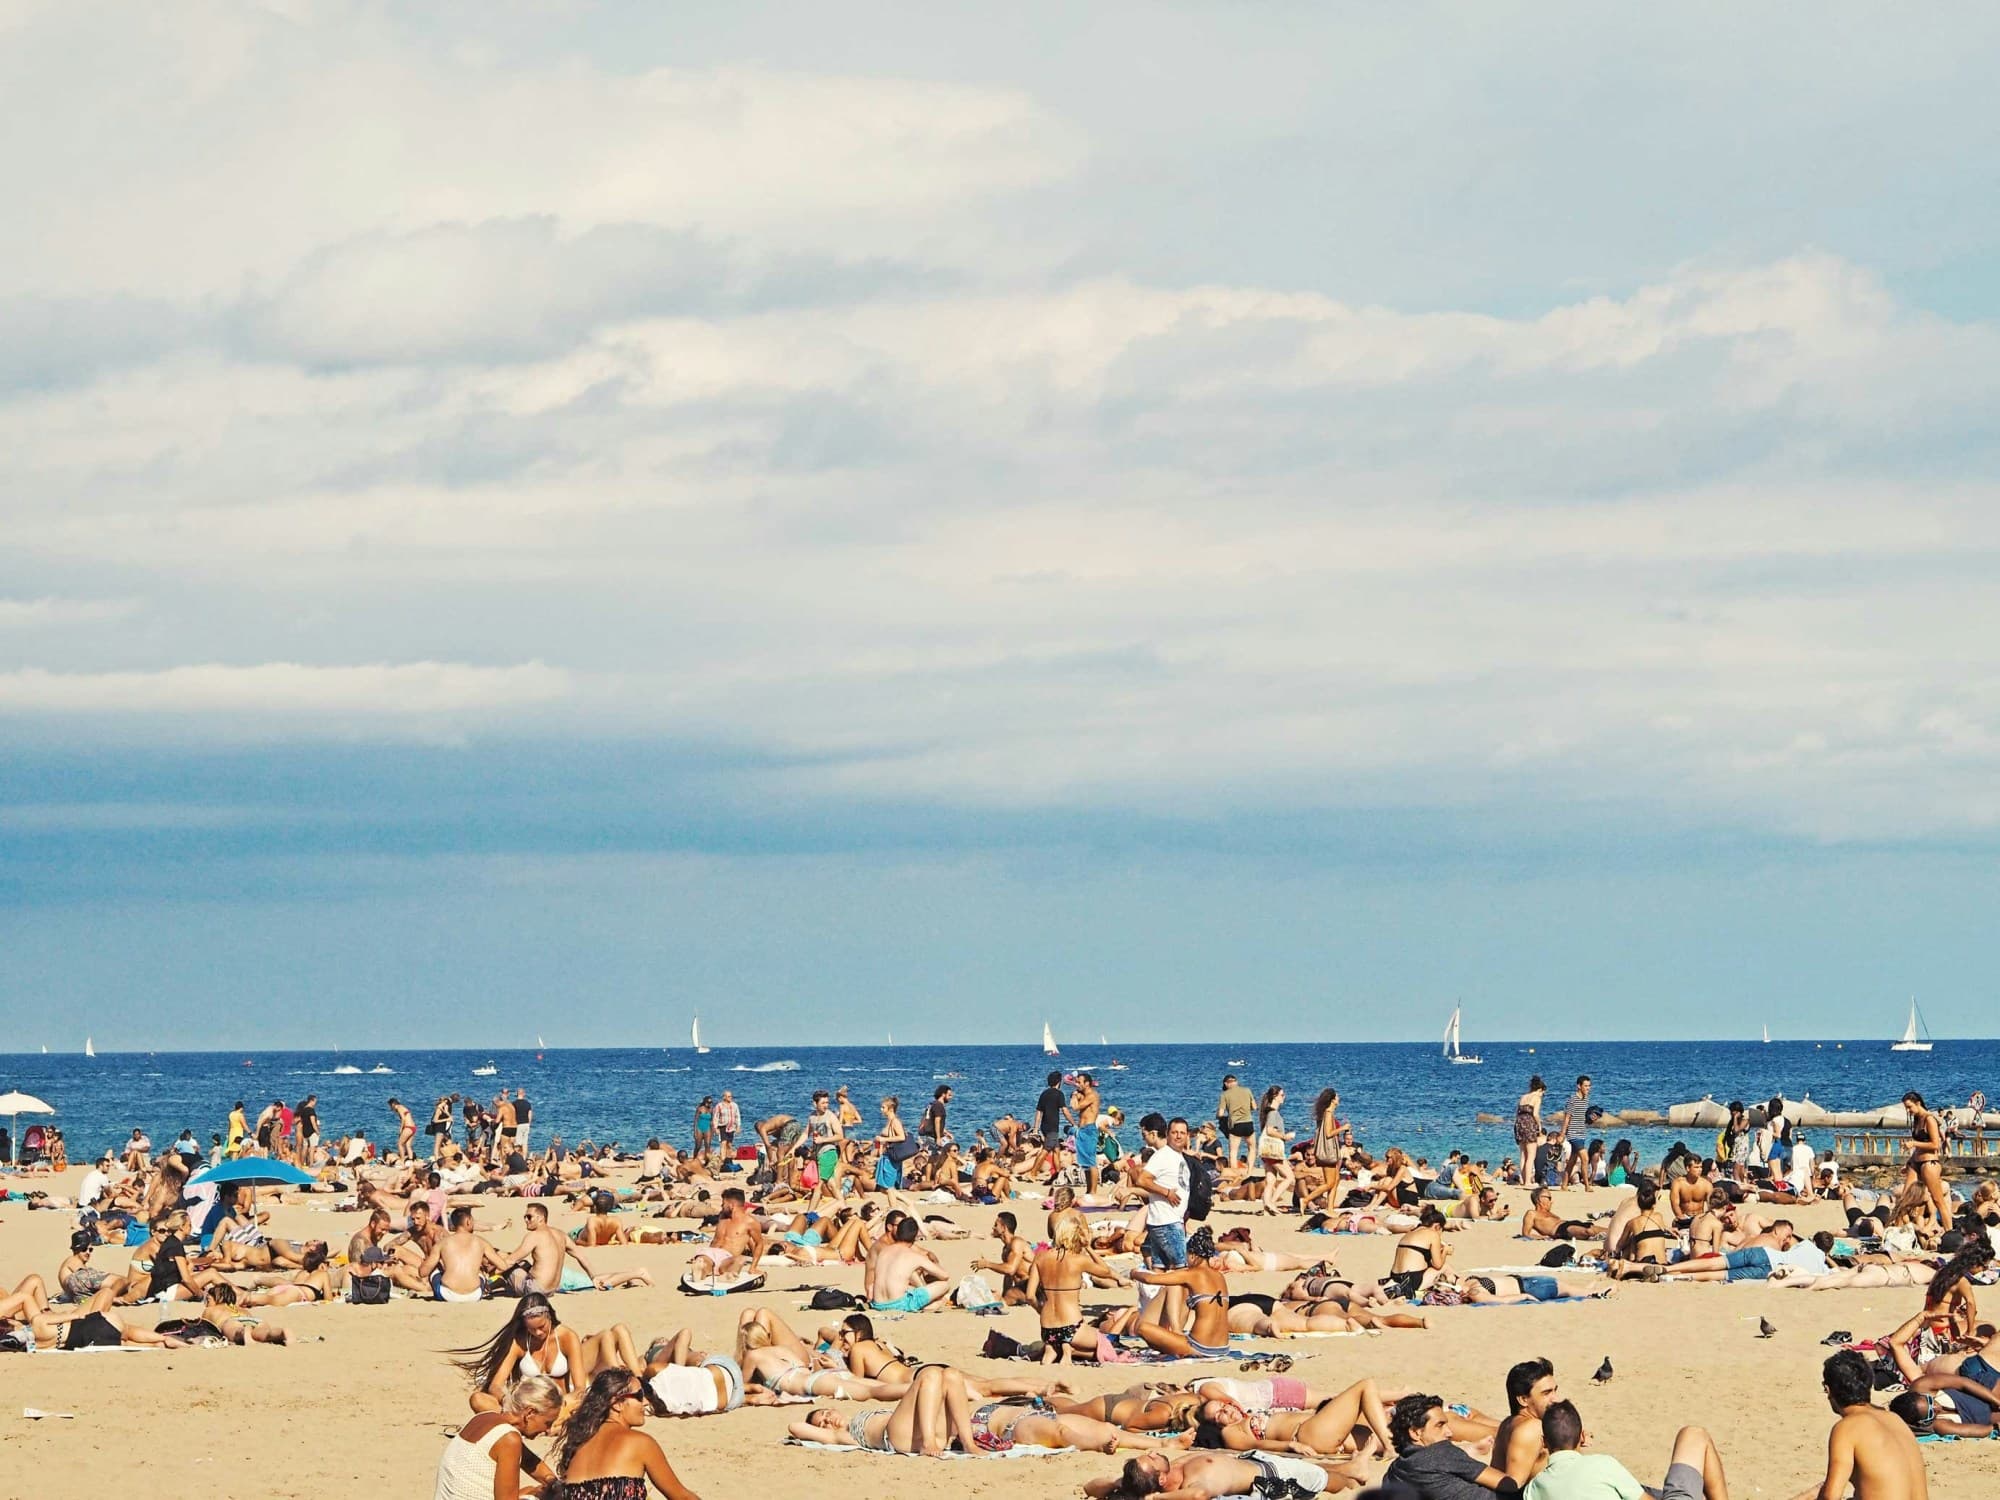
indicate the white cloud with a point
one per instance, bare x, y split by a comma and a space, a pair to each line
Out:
49, 612
276, 691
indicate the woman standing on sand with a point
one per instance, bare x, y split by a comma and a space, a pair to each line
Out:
1927, 1153
1528, 1125
1273, 1150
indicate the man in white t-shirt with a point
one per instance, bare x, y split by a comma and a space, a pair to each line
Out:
96, 1185
1164, 1179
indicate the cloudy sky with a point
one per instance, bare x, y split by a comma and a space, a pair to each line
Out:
1191, 520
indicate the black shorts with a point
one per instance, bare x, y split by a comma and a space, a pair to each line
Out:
1243, 1131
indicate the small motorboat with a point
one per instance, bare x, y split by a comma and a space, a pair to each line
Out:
486, 1072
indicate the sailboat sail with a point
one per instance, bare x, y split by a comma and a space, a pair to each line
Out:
1909, 1041
1767, 1034
697, 1035
1451, 1048
1049, 1041
89, 1048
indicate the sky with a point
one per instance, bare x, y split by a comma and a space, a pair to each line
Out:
1192, 521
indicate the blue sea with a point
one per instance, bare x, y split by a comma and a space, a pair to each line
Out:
1392, 1092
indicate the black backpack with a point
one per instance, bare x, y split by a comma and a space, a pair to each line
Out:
1201, 1189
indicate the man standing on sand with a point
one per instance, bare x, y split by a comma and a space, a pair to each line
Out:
1083, 1106
728, 1120
503, 1126
524, 1119
1575, 1129
1518, 1449
1869, 1450
308, 1118
1164, 1179
1234, 1113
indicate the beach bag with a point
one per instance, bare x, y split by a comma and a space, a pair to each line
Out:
975, 1291
369, 1290
833, 1299
901, 1151
1201, 1189
1561, 1255
1000, 1346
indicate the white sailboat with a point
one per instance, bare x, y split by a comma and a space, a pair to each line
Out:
1049, 1048
700, 1050
538, 1040
1101, 1040
1910, 1043
1767, 1036
1451, 1050
89, 1048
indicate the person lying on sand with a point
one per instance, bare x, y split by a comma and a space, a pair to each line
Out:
1212, 1476
1542, 1222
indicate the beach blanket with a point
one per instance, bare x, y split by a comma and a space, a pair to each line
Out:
1019, 1450
1575, 1269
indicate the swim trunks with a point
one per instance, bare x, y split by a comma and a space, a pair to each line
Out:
1683, 1482
1059, 1337
1753, 1264
1404, 1283
442, 1293
916, 1299
1086, 1147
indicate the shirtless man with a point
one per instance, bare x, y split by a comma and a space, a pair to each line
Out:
1518, 1449
1015, 1260
456, 1269
538, 1262
737, 1234
903, 1276
1692, 1190
1212, 1476
1084, 1103
1542, 1222
1869, 1449
505, 1122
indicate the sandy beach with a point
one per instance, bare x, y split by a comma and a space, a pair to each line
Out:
364, 1401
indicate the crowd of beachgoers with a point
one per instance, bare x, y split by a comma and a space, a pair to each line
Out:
1110, 1229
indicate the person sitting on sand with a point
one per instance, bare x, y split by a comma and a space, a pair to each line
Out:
174, 1278
1207, 1299
1518, 1448
78, 1278
737, 1236
1648, 1237
1428, 1460
1483, 1204
488, 1457
457, 1267
1213, 1476
1869, 1450
534, 1341
1963, 1399
603, 1455
1694, 1466
903, 1277
1542, 1222
1330, 1429
540, 1262
1055, 1286
1016, 1260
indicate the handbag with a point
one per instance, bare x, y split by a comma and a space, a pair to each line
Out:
369, 1290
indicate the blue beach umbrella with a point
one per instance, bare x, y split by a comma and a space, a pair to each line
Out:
256, 1171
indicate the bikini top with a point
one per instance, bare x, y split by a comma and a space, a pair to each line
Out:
531, 1366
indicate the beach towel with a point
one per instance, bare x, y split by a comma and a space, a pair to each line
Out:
1017, 1450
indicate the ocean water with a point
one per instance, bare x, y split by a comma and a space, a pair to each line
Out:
1392, 1092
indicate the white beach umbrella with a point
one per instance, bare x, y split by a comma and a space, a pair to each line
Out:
17, 1104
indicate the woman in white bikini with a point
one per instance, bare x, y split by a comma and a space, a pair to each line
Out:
534, 1341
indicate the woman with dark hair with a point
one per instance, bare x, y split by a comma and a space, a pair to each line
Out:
1329, 1148
312, 1282
1328, 1429
1207, 1291
1618, 1166
1927, 1153
486, 1458
1528, 1124
534, 1341
604, 1456
1949, 1303
1420, 1256
1274, 1151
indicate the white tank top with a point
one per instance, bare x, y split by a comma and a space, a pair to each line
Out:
465, 1469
